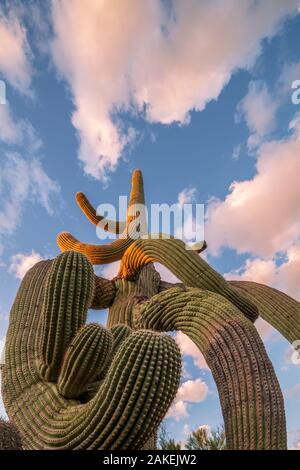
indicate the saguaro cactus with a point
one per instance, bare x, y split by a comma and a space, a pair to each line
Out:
72, 385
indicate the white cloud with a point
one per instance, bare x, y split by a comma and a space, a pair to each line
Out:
259, 110
295, 435
194, 48
186, 430
188, 348
261, 215
15, 52
187, 196
20, 263
2, 351
265, 330
192, 229
284, 276
257, 269
22, 180
165, 273
236, 153
10, 131
291, 357
177, 411
290, 73
191, 391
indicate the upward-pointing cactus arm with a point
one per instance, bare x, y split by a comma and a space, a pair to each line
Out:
110, 252
250, 395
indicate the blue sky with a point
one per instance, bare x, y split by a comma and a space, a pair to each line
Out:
199, 97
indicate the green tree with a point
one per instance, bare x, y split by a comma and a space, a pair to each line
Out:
165, 442
202, 439
9, 436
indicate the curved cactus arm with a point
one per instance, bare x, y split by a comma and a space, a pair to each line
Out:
119, 334
277, 308
129, 293
164, 285
97, 254
104, 293
190, 268
130, 403
250, 394
69, 291
110, 252
90, 212
86, 357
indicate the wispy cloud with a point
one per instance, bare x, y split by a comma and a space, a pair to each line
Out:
258, 108
189, 63
284, 276
20, 263
15, 53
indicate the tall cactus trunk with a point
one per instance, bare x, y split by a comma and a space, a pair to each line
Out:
250, 395
68, 385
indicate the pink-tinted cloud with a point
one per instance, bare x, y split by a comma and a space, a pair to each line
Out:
15, 54
258, 108
188, 348
142, 57
22, 262
178, 411
191, 391
261, 215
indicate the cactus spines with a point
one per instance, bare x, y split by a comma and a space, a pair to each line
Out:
119, 333
250, 395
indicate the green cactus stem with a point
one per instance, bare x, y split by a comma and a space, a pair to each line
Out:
9, 436
277, 308
250, 395
188, 266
